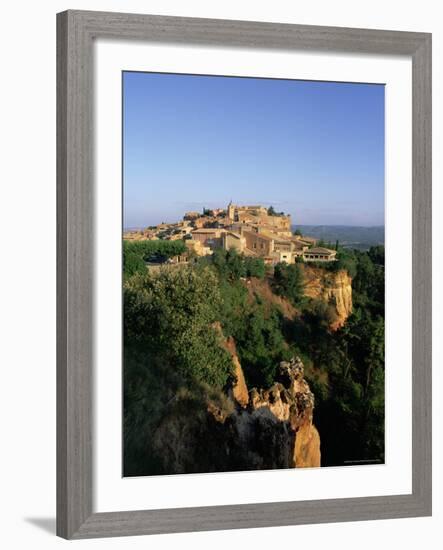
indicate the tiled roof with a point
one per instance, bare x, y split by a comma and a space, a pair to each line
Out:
320, 250
259, 235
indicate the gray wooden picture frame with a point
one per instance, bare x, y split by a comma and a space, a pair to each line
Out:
76, 32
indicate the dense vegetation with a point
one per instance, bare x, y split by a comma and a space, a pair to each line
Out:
137, 253
175, 322
288, 281
346, 368
171, 315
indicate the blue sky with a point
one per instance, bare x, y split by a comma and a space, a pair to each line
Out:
312, 149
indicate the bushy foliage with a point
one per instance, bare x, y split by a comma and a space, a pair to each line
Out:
132, 263
255, 267
261, 345
369, 282
349, 410
354, 412
173, 314
288, 281
148, 248
233, 307
231, 265
137, 253
377, 254
345, 260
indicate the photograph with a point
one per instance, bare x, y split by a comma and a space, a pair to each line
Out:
253, 273
228, 335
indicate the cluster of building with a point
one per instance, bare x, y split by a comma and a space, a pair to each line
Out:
254, 231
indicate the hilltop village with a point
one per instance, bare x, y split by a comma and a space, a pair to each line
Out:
254, 231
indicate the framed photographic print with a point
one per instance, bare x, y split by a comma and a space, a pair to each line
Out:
244, 274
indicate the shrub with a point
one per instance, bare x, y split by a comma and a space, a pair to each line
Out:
288, 281
173, 314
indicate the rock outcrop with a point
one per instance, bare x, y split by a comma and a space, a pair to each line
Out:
264, 429
291, 400
334, 288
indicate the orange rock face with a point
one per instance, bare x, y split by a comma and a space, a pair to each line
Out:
260, 430
334, 288
239, 388
307, 447
291, 400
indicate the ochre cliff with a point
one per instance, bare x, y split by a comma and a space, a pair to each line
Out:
291, 400
332, 287
262, 429
239, 387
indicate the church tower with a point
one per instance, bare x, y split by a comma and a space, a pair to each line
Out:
231, 210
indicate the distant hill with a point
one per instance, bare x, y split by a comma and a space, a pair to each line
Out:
349, 236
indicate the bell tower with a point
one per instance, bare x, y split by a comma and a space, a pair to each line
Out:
231, 210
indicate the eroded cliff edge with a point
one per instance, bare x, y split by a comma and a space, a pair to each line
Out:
333, 288
260, 429
291, 400
241, 428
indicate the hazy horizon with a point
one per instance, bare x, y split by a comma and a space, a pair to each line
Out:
129, 227
312, 149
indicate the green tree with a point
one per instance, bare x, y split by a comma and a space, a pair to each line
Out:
273, 212
146, 249
255, 267
137, 253
235, 264
132, 263
261, 345
173, 314
377, 254
288, 281
229, 264
345, 260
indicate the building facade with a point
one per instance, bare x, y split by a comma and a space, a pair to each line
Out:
319, 254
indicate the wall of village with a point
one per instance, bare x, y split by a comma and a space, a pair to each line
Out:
247, 229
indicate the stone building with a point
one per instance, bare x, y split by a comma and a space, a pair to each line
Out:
252, 230
234, 240
235, 211
257, 214
191, 215
260, 244
209, 237
319, 254
197, 248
